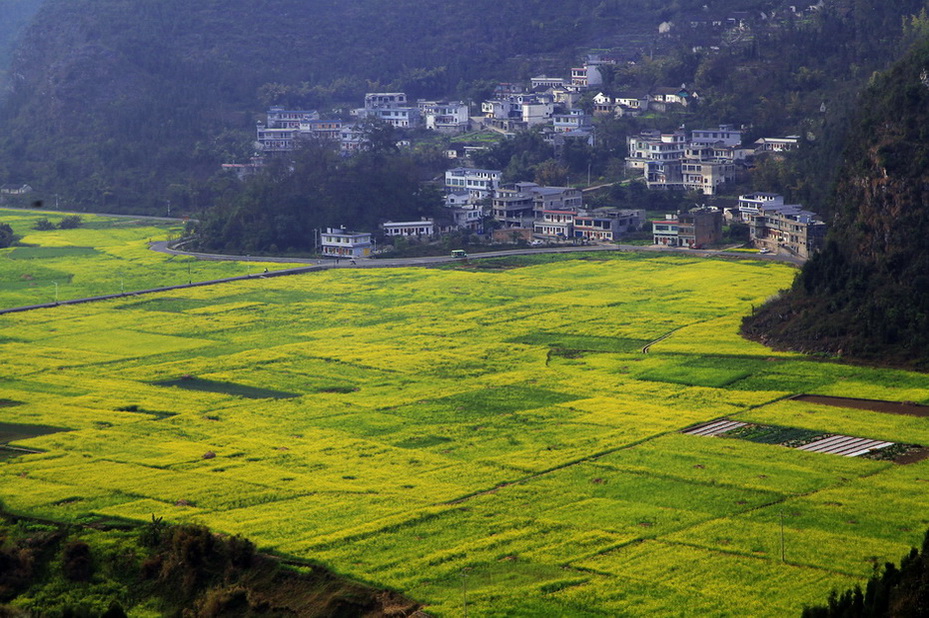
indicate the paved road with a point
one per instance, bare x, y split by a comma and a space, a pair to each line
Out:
314, 265
325, 263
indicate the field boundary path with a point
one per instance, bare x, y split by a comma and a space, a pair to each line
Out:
319, 264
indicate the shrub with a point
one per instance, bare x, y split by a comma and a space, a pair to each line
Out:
70, 222
76, 562
43, 225
6, 235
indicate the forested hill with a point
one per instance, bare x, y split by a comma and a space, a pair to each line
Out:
866, 296
115, 100
14, 15
127, 105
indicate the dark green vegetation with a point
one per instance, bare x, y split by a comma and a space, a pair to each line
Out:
281, 208
14, 15
228, 388
130, 106
894, 591
866, 296
54, 570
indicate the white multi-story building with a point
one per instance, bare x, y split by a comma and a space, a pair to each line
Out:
478, 183
467, 216
284, 127
445, 117
788, 227
751, 204
543, 81
653, 146
607, 224
341, 243
557, 224
392, 108
574, 120
703, 162
526, 108
726, 134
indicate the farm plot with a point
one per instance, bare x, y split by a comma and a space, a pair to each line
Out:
484, 439
106, 255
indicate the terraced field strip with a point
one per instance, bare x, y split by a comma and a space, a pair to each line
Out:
714, 428
907, 408
844, 445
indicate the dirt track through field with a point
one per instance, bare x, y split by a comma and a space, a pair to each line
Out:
875, 405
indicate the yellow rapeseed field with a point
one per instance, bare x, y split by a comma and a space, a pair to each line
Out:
492, 441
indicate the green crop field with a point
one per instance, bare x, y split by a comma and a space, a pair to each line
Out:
106, 255
487, 440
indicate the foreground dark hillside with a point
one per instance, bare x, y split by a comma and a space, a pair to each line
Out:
866, 296
53, 570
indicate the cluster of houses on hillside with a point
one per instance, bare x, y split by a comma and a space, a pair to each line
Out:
477, 201
701, 161
550, 102
773, 226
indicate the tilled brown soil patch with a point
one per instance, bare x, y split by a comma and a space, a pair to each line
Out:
875, 405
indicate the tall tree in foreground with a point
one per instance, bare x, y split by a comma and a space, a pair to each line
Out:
901, 591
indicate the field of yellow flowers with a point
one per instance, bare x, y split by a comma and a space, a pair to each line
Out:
105, 255
489, 440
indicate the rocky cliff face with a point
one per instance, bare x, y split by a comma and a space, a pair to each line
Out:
866, 296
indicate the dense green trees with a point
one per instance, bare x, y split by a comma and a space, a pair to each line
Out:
894, 591
866, 295
281, 208
6, 235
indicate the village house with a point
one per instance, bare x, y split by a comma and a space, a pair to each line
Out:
352, 138
651, 146
392, 108
702, 162
776, 144
555, 224
422, 228
554, 198
445, 116
15, 189
750, 204
725, 134
589, 75
513, 205
775, 226
664, 231
574, 120
479, 183
466, 216
607, 224
341, 243
695, 228
512, 111
284, 127
543, 81
661, 99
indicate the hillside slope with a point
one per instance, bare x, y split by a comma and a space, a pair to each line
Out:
115, 100
14, 15
866, 296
